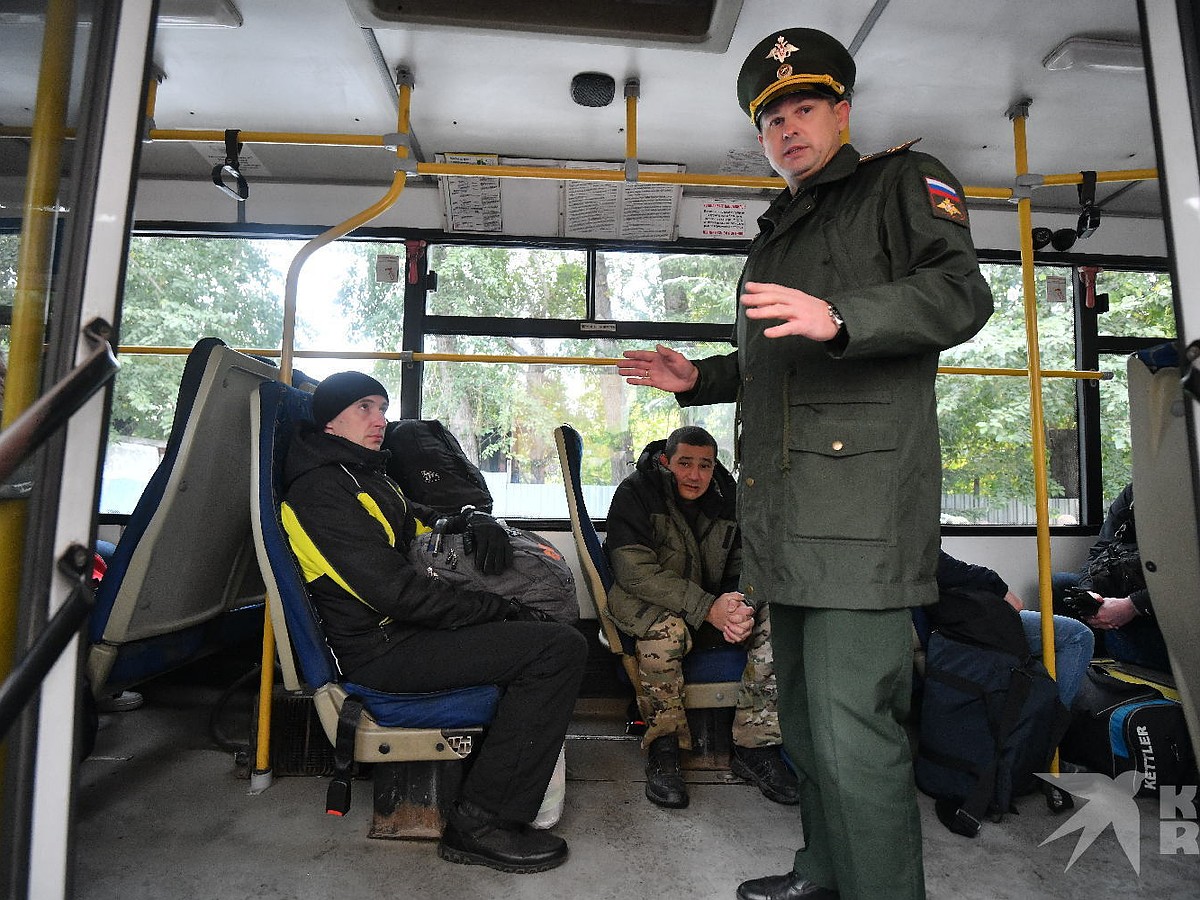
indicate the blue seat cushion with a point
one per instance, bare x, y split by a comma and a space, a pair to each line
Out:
460, 708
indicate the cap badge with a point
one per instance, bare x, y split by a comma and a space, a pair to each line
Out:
784, 71
782, 49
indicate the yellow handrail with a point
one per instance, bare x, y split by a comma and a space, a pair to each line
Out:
262, 760
558, 173
30, 301
1036, 413
419, 356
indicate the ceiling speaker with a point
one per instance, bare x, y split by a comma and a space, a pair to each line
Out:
593, 89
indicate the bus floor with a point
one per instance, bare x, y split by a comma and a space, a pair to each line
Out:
161, 812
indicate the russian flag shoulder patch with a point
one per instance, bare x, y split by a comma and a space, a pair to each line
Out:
945, 201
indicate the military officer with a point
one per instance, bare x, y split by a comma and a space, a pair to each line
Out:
862, 272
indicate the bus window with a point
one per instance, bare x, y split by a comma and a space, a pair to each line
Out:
182, 288
8, 287
1139, 307
177, 291
508, 282
505, 414
984, 419
667, 287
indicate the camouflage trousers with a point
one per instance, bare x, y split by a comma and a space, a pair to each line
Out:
660, 670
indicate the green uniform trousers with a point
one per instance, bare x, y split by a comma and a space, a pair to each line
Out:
845, 685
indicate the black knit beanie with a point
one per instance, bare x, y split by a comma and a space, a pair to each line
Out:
338, 391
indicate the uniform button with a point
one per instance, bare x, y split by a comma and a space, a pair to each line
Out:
838, 445
749, 482
749, 378
749, 591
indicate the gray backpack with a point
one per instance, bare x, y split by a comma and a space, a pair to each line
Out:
539, 576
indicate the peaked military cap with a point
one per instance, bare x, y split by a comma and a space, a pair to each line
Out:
791, 60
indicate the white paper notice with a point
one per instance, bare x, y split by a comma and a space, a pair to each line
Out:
648, 212
620, 209
472, 203
723, 218
591, 209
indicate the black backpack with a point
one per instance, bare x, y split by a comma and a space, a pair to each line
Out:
430, 466
990, 717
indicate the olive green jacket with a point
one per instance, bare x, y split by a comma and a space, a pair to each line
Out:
840, 466
659, 562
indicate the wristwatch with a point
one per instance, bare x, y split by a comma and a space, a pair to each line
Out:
836, 317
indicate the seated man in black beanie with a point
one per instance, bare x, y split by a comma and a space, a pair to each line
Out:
393, 628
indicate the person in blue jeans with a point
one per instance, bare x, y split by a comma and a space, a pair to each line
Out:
1073, 641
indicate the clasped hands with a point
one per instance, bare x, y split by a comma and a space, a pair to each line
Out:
1114, 612
732, 616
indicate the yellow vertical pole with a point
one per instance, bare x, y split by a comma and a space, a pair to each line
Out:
156, 78
30, 302
631, 135
1019, 113
260, 778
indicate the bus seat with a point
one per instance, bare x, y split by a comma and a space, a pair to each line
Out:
1166, 513
712, 676
417, 741
181, 580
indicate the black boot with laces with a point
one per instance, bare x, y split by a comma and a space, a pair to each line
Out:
664, 783
764, 766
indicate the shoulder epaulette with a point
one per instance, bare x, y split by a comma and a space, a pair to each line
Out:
880, 154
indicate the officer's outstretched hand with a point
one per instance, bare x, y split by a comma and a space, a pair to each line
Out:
493, 550
662, 367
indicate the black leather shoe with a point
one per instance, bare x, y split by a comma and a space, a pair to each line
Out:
791, 886
764, 766
664, 783
475, 838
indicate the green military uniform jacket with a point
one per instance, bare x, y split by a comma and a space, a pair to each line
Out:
840, 466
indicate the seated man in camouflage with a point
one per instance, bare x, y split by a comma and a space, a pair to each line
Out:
675, 550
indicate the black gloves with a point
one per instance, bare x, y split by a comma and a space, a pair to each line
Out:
519, 612
489, 541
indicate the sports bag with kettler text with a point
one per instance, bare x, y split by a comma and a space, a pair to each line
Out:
1127, 718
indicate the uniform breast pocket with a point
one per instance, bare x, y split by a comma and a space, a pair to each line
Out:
843, 484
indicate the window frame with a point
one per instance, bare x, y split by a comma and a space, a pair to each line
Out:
1090, 343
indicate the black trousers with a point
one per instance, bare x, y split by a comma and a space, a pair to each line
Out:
538, 666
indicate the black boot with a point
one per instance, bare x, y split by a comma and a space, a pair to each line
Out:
475, 837
764, 766
783, 887
664, 784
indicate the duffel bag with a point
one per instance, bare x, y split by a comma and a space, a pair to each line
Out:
1122, 721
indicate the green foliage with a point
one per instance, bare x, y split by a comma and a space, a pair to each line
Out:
8, 286
504, 415
177, 291
8, 268
984, 421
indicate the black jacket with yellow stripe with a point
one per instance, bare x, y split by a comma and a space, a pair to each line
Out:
350, 528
